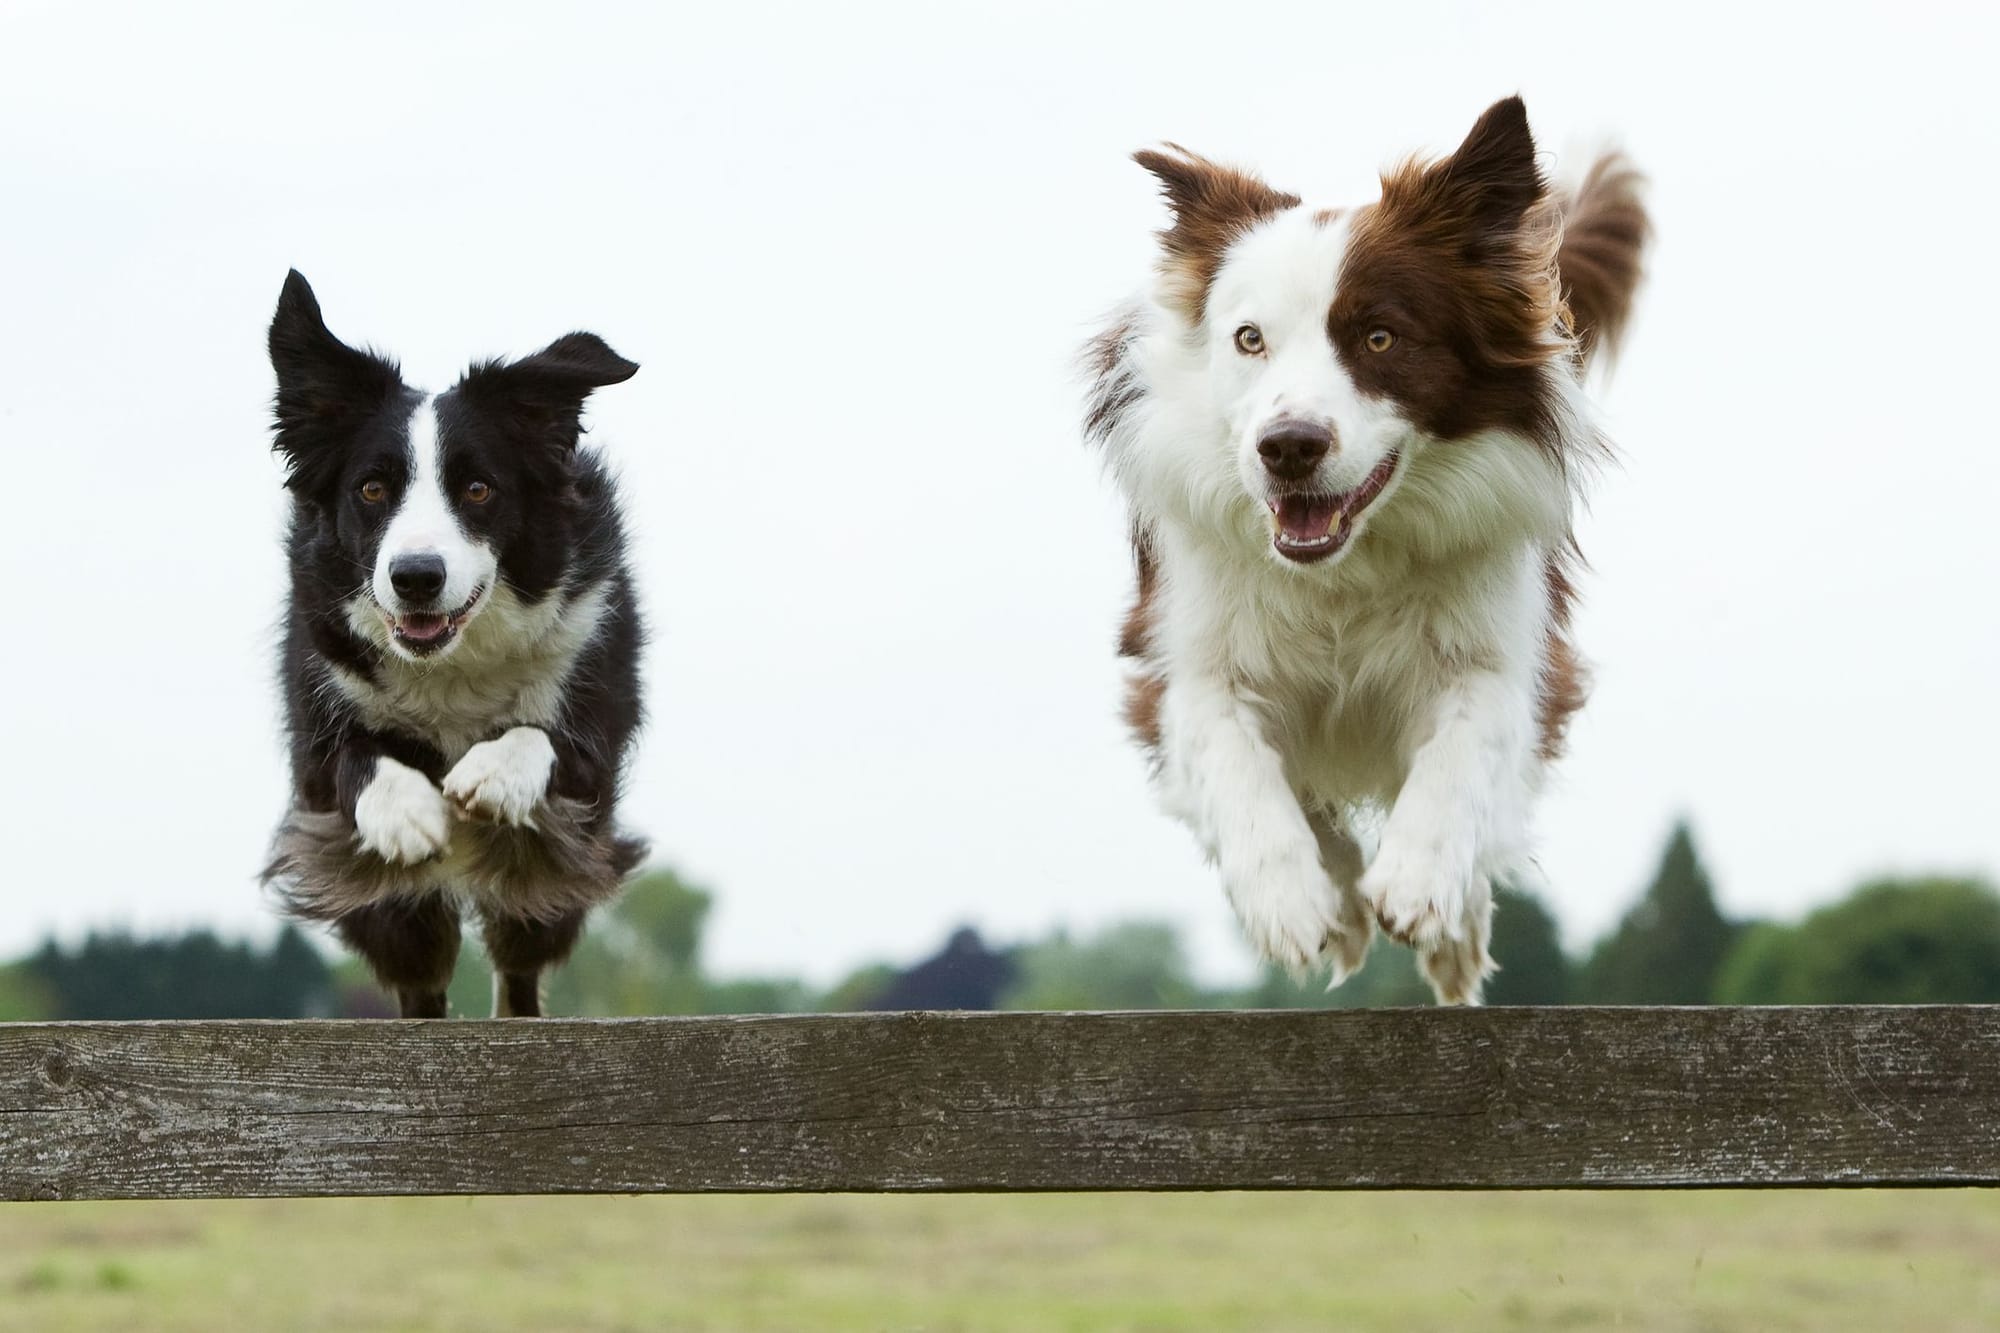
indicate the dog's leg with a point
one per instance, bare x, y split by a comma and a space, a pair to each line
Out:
1223, 779
411, 945
1341, 856
1461, 814
503, 780
399, 815
520, 950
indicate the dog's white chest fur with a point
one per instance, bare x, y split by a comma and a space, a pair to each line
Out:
509, 671
1344, 678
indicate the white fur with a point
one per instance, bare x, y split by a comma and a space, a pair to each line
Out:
1399, 675
504, 779
424, 522
1280, 279
400, 817
507, 669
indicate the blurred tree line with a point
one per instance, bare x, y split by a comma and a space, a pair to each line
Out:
1925, 940
192, 975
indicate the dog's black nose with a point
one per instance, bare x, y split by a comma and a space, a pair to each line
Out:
417, 578
1291, 449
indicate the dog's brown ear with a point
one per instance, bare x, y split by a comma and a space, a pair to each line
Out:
1492, 178
1212, 205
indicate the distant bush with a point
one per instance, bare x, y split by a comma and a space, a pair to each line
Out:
1925, 941
23, 998
1136, 965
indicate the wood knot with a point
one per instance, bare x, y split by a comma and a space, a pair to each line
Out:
58, 1070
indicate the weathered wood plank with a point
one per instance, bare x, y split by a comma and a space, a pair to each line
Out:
1411, 1099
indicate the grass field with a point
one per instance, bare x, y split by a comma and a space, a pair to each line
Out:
1807, 1261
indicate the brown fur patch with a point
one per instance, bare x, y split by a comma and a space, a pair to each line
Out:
1605, 230
1143, 695
1134, 634
1212, 205
1457, 260
1144, 691
1565, 682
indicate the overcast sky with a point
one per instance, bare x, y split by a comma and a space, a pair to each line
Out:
853, 248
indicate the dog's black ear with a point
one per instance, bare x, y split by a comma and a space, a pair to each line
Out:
1492, 177
324, 386
1212, 205
571, 366
543, 395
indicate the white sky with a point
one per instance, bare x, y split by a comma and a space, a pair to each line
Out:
854, 248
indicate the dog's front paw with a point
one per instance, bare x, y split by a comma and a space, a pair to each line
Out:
400, 817
503, 780
1292, 914
1422, 886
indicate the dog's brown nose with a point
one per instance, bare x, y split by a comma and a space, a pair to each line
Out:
1291, 448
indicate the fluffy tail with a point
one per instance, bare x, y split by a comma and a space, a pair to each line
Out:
1605, 230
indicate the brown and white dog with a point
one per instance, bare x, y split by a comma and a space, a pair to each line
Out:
1352, 441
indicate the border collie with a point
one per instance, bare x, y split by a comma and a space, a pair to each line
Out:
1351, 440
461, 657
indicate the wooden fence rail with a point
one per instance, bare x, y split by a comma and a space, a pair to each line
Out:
1385, 1099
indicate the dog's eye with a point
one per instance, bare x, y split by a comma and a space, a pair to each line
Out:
373, 492
1380, 340
1250, 340
477, 492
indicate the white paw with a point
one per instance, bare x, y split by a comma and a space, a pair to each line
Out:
1293, 915
503, 780
400, 817
1423, 884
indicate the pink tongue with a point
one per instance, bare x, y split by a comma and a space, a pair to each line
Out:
422, 626
1306, 518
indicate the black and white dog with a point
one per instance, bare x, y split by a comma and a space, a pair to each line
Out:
460, 661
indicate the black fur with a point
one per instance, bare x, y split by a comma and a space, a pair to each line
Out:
552, 523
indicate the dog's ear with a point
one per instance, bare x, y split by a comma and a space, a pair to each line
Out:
1492, 179
1212, 205
543, 395
324, 386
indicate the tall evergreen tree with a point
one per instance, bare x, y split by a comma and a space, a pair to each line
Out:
1670, 946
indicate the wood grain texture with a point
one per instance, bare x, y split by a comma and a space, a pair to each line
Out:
1402, 1099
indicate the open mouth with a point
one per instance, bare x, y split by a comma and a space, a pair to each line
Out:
424, 632
1310, 526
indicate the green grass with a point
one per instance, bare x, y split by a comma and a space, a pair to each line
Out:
1401, 1262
